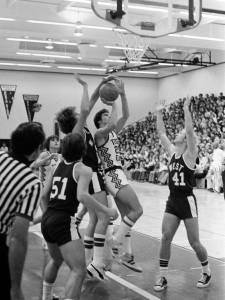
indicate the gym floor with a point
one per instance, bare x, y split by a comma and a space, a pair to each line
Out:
124, 284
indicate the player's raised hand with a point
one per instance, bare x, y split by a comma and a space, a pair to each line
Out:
120, 85
187, 101
79, 79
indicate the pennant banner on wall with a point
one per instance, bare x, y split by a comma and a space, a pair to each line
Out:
8, 93
30, 102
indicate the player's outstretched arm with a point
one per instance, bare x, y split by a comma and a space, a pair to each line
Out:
83, 175
125, 108
45, 196
190, 135
162, 131
84, 108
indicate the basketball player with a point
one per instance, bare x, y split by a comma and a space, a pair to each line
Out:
115, 179
181, 204
46, 164
61, 196
95, 233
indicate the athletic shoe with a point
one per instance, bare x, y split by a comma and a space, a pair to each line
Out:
95, 272
204, 281
54, 297
128, 261
160, 285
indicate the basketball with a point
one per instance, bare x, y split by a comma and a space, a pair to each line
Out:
108, 92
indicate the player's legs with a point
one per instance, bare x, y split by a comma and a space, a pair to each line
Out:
103, 220
89, 235
51, 270
74, 257
127, 257
96, 267
192, 229
169, 227
131, 208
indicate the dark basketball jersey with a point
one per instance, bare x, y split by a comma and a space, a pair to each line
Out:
64, 189
91, 157
181, 178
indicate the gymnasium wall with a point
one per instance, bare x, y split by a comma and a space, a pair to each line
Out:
59, 90
208, 80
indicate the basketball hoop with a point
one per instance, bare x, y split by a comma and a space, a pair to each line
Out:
134, 46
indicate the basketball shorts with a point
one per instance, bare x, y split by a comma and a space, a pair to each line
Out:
182, 207
97, 183
59, 227
115, 179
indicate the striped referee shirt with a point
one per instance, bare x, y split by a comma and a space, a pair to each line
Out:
20, 191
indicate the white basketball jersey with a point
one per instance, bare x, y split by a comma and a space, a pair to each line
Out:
44, 171
109, 152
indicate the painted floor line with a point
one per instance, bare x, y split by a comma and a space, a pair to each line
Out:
131, 286
178, 246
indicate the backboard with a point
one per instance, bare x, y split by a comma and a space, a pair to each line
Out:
150, 18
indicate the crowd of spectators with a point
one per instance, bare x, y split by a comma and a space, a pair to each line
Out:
143, 155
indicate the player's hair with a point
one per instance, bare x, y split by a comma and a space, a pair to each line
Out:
26, 138
98, 116
67, 119
48, 140
73, 147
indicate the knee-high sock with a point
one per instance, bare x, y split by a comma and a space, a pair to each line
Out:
127, 247
124, 227
88, 247
98, 253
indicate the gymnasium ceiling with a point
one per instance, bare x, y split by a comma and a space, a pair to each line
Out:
53, 22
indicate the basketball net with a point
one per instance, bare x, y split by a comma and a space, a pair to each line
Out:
134, 46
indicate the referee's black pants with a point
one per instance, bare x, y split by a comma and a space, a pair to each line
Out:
223, 178
4, 268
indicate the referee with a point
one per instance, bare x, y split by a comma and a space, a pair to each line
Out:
19, 198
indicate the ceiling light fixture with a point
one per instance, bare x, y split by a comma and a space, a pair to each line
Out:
8, 19
41, 41
44, 55
196, 37
73, 24
7, 64
23, 65
81, 68
34, 66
